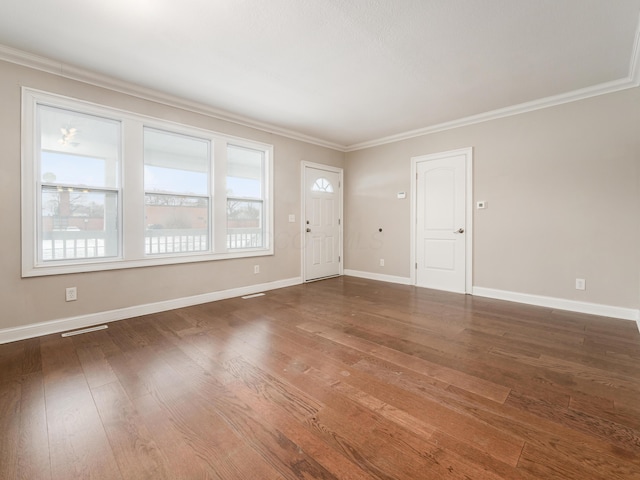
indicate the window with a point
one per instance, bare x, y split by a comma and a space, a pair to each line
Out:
322, 185
245, 202
78, 160
170, 194
176, 192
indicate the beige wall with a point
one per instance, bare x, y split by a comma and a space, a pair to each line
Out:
563, 192
563, 186
31, 300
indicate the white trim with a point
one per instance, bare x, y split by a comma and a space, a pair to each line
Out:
630, 81
468, 153
560, 304
582, 94
303, 209
380, 277
525, 298
44, 64
64, 324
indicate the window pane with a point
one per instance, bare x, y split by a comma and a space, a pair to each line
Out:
175, 163
176, 224
244, 172
78, 149
78, 224
322, 185
245, 177
244, 224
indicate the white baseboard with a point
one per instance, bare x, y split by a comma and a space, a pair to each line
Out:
64, 324
541, 301
378, 276
561, 304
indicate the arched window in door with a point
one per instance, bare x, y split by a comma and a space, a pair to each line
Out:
322, 185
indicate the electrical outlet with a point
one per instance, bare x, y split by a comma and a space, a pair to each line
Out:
581, 284
382, 262
256, 269
71, 294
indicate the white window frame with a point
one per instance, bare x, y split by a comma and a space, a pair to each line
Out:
131, 201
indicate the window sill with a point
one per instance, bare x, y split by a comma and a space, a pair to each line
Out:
118, 264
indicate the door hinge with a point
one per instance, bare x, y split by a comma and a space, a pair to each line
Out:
339, 258
416, 265
338, 221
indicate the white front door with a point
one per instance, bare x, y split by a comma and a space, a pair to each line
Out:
441, 223
322, 222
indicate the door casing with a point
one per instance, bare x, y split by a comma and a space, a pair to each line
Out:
468, 154
303, 196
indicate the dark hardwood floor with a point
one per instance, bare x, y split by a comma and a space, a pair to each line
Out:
339, 379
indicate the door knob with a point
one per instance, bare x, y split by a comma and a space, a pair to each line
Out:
460, 230
308, 230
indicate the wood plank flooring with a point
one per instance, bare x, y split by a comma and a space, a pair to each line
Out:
339, 379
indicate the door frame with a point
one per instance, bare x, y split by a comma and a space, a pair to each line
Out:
303, 209
468, 228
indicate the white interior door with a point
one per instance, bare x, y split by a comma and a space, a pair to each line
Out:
441, 223
322, 222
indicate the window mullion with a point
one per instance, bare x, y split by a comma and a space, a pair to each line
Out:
219, 195
132, 185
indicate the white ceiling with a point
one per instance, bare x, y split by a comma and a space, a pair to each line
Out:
345, 72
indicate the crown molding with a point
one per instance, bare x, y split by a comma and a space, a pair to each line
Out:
547, 102
75, 73
632, 80
71, 72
